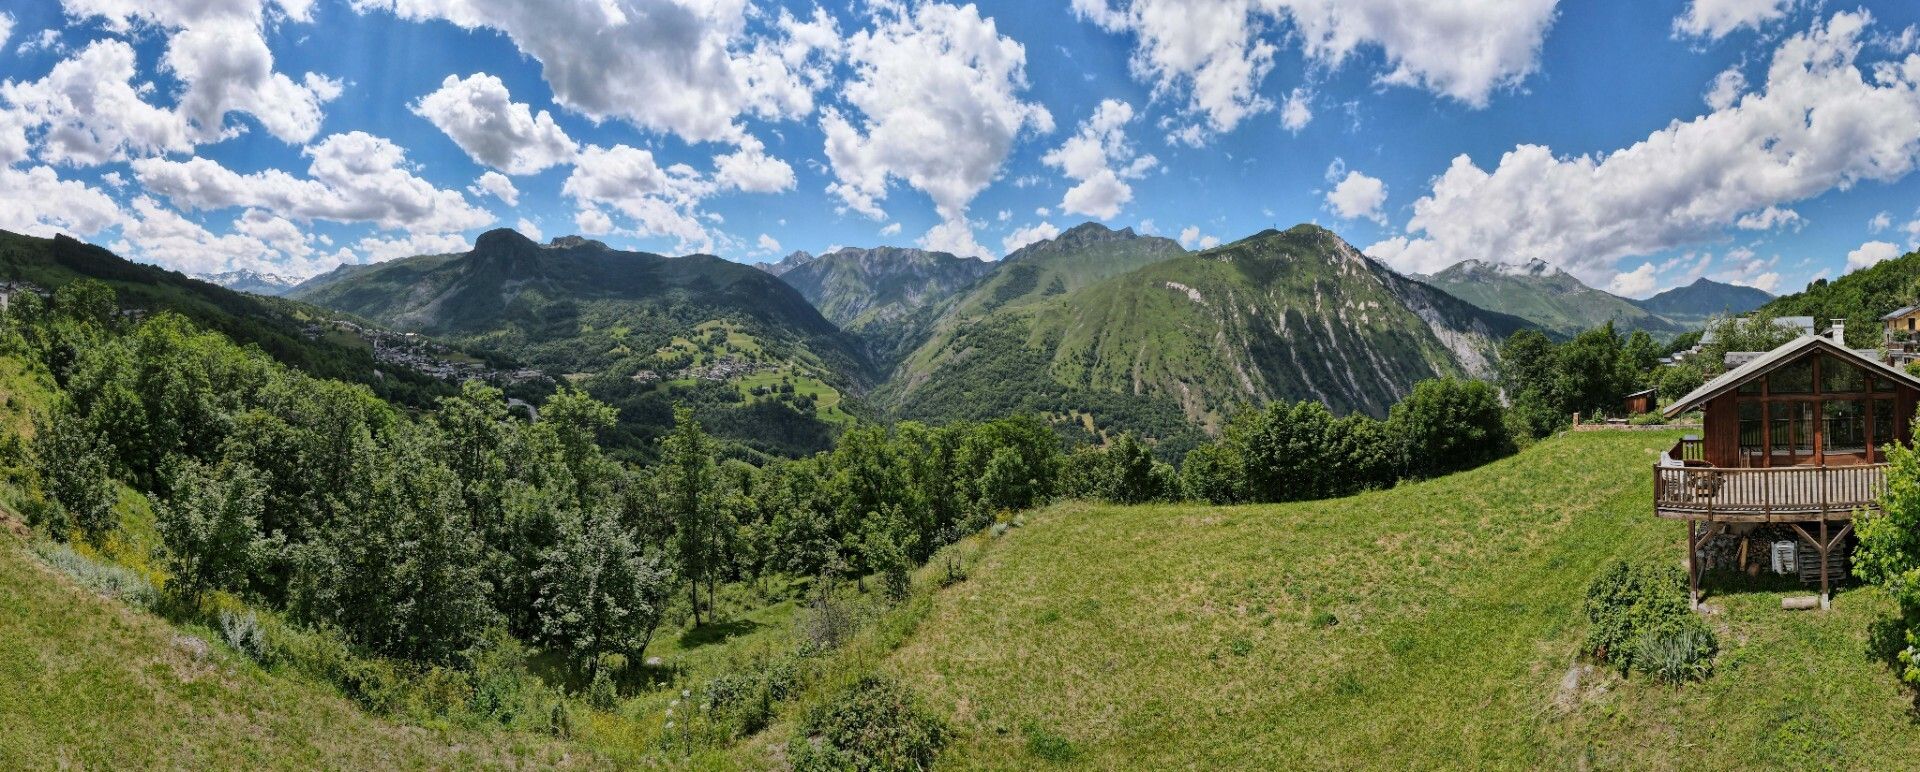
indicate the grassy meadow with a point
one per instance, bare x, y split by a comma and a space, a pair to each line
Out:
1434, 625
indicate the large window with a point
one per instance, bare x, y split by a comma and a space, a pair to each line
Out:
1792, 378
1793, 429
1882, 423
1753, 437
1838, 377
1845, 426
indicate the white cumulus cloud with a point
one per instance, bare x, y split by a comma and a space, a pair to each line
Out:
660, 201
1820, 123
688, 68
497, 185
1870, 253
218, 51
1100, 159
1216, 54
1714, 19
1358, 196
480, 117
934, 102
1192, 238
1028, 234
38, 202
88, 110
353, 177
1637, 283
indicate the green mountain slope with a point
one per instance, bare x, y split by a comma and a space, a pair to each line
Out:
1860, 297
639, 330
884, 295
92, 684
1430, 626
1544, 295
1084, 254
277, 326
1281, 315
1705, 298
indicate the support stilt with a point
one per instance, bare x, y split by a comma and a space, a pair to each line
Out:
1693, 572
1826, 596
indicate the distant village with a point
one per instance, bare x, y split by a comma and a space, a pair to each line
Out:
421, 354
725, 368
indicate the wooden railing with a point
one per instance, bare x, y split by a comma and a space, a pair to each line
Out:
1767, 494
1689, 448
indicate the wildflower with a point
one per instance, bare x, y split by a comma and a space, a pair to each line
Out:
686, 693
669, 724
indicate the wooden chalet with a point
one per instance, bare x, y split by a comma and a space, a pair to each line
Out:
1792, 437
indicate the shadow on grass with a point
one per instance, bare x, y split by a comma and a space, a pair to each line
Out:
1725, 583
716, 632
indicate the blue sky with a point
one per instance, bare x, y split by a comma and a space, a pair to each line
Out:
1637, 145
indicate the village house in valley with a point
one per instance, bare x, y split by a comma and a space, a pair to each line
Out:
1792, 446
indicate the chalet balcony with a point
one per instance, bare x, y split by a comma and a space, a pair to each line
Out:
1686, 487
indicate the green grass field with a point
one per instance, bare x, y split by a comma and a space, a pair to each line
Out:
1432, 626
1429, 626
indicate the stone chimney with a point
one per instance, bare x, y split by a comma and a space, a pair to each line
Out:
1840, 331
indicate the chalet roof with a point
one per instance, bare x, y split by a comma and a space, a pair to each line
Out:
1766, 363
1902, 311
1641, 392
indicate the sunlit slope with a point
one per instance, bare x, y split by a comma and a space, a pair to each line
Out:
1430, 626
87, 683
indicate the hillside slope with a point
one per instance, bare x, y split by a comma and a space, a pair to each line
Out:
1430, 626
1277, 316
884, 295
1860, 297
92, 684
277, 326
1546, 296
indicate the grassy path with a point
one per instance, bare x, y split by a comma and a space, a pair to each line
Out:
1429, 626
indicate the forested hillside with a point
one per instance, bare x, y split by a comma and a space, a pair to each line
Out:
1860, 297
639, 331
277, 327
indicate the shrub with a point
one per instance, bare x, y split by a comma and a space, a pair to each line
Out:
744, 699
601, 694
105, 579
1676, 653
875, 725
827, 620
1640, 620
244, 634
1647, 419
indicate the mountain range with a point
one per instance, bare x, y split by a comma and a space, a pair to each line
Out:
886, 296
638, 330
270, 284
1563, 306
1100, 330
